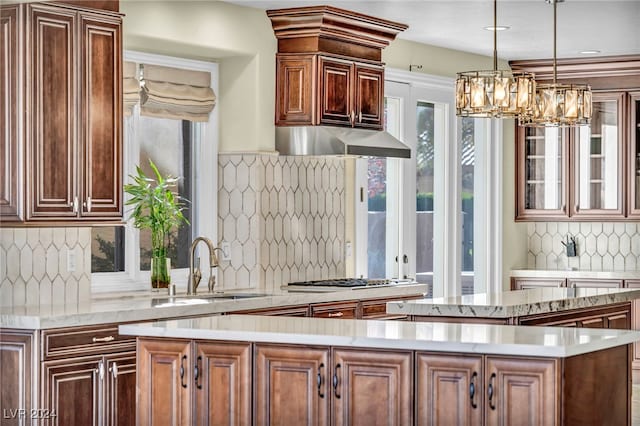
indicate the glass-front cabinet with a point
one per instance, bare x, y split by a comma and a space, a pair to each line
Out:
633, 163
598, 179
578, 172
542, 172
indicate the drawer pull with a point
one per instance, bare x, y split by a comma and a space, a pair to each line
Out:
103, 339
336, 314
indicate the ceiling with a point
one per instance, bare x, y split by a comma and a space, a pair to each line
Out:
606, 25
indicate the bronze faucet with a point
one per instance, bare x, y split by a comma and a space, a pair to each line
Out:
195, 275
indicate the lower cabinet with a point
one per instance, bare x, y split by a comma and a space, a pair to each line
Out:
16, 352
182, 382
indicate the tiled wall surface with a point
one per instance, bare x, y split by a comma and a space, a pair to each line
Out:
601, 246
33, 265
284, 218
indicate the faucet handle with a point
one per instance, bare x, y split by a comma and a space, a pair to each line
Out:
197, 276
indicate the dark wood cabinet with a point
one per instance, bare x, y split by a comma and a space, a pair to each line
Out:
16, 375
62, 66
320, 89
357, 372
449, 389
10, 110
292, 385
181, 381
633, 157
522, 391
74, 141
222, 386
120, 394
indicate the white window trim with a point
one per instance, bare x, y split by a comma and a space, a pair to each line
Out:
203, 171
488, 254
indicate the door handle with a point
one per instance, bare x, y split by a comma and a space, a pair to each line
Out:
472, 390
196, 372
491, 391
335, 382
184, 385
319, 380
114, 370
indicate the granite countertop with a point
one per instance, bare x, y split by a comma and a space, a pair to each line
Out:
146, 306
584, 274
424, 336
516, 303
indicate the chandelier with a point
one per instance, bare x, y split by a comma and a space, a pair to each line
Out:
558, 104
494, 93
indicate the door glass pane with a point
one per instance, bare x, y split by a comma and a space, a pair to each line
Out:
168, 143
467, 167
425, 153
543, 168
597, 159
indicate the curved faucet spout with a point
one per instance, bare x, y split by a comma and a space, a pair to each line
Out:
194, 271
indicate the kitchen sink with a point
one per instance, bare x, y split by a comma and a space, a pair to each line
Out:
198, 299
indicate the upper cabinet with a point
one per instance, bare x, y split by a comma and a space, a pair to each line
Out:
71, 69
328, 66
585, 172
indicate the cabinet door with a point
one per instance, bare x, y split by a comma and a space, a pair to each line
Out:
15, 373
71, 389
542, 173
295, 84
10, 170
372, 387
120, 392
291, 385
369, 96
51, 122
521, 391
635, 325
100, 134
164, 382
222, 384
633, 154
336, 91
449, 390
598, 149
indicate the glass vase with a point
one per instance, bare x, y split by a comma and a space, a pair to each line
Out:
160, 272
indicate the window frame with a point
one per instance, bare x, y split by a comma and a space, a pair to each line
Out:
205, 169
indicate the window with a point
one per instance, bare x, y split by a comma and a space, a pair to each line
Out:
425, 215
120, 256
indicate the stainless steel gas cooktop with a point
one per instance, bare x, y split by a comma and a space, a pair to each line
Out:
341, 284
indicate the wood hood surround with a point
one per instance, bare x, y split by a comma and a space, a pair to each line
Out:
330, 82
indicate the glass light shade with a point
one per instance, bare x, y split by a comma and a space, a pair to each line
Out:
498, 94
559, 105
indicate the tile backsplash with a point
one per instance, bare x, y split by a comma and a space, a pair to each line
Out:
34, 265
602, 246
284, 218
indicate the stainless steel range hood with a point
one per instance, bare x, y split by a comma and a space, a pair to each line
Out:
326, 140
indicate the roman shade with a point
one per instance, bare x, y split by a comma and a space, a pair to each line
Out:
130, 87
176, 93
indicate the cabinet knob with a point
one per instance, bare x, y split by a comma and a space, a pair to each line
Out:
100, 370
74, 204
352, 118
114, 370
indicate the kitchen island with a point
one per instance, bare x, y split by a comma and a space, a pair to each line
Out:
249, 369
570, 307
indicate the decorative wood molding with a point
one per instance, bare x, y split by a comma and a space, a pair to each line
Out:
327, 29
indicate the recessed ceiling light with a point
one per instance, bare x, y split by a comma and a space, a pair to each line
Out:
589, 52
497, 28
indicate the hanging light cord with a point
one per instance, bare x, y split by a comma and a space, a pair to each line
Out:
555, 66
495, 35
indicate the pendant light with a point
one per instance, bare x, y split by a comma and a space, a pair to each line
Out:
559, 104
495, 93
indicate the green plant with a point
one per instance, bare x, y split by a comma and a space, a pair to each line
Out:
158, 208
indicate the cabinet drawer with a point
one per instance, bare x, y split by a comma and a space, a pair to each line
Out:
288, 311
377, 308
347, 310
70, 341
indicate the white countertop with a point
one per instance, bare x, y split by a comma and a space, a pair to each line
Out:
424, 336
584, 274
146, 306
516, 303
